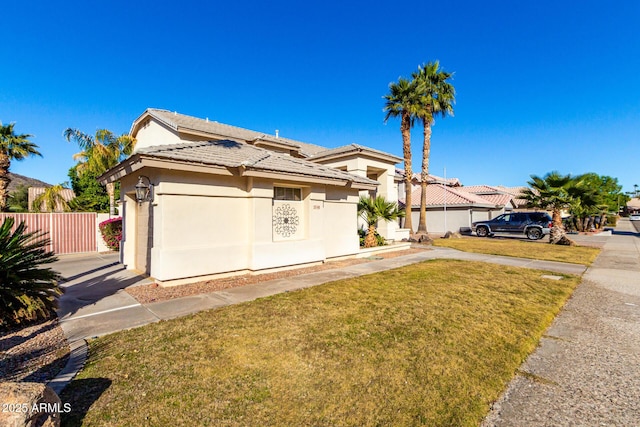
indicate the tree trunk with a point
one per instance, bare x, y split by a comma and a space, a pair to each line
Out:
111, 190
370, 240
603, 221
405, 128
557, 235
426, 148
5, 163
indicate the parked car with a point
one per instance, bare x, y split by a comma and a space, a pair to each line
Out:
634, 217
534, 225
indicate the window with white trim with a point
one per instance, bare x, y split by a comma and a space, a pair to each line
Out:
286, 193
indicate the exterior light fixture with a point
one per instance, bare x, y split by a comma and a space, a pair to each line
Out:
144, 192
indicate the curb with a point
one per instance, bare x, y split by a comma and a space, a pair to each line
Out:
77, 358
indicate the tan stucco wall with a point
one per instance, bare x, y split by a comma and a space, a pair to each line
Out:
455, 218
388, 188
206, 224
152, 133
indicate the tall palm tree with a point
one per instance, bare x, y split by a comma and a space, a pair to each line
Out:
12, 147
402, 100
554, 192
100, 153
437, 97
373, 210
52, 199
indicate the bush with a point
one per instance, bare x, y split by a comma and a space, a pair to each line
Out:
362, 233
111, 231
27, 292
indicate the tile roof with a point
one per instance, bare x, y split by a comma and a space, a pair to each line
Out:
481, 189
455, 196
516, 192
497, 199
433, 179
183, 122
351, 148
234, 154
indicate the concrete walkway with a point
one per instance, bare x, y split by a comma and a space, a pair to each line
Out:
586, 371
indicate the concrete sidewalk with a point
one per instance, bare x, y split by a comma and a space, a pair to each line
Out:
95, 303
586, 370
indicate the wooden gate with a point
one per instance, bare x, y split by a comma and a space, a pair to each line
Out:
69, 232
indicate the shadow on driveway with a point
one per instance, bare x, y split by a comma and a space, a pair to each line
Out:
90, 280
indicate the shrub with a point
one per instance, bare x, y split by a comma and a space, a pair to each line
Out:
362, 234
27, 292
111, 231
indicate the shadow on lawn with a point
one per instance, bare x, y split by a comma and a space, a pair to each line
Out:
81, 394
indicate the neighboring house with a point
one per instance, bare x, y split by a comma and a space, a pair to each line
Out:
227, 200
633, 205
516, 192
452, 208
67, 194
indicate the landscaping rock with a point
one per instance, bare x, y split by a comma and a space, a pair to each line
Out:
565, 241
452, 235
29, 405
422, 238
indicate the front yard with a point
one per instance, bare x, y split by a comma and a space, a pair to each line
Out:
429, 344
523, 249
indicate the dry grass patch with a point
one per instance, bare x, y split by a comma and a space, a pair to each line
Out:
523, 249
429, 344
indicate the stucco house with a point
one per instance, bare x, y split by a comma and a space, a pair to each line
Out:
454, 207
222, 200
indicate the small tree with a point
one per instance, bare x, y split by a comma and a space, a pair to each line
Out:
556, 192
90, 195
100, 153
372, 210
51, 200
27, 291
18, 200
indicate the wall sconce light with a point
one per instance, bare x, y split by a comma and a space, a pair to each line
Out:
144, 192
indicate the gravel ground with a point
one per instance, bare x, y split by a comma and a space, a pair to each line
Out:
152, 293
34, 353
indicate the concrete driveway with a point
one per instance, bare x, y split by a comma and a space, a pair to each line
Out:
94, 302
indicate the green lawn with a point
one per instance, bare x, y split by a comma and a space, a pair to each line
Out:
429, 344
523, 249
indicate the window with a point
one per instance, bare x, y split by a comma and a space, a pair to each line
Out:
286, 193
288, 214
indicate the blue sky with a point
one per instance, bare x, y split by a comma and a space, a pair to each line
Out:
541, 86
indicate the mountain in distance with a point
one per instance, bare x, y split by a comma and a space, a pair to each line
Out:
17, 180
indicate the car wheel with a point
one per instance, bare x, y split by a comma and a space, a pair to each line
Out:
534, 234
482, 231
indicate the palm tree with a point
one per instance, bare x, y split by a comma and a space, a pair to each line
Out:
27, 291
554, 192
437, 97
12, 147
100, 153
52, 200
402, 101
372, 210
